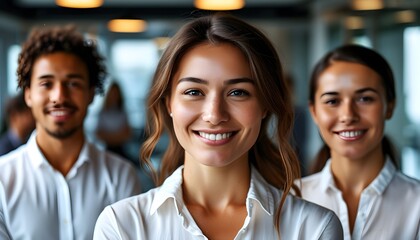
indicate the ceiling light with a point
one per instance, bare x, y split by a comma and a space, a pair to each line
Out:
354, 23
127, 25
406, 16
219, 4
79, 3
367, 4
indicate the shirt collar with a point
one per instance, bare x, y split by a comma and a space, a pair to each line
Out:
172, 188
259, 192
379, 184
327, 179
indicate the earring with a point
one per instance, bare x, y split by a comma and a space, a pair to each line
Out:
170, 114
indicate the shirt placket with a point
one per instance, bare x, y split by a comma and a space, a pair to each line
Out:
365, 205
344, 216
64, 207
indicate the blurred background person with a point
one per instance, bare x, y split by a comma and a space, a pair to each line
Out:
113, 128
57, 183
352, 96
19, 124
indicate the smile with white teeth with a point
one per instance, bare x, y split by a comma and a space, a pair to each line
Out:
350, 134
58, 113
215, 137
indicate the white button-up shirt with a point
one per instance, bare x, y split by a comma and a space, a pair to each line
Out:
389, 208
4, 232
161, 214
41, 203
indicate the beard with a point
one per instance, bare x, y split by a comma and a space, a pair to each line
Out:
62, 133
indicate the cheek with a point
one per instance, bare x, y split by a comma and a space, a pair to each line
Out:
182, 115
323, 118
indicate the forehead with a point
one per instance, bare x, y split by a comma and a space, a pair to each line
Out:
347, 75
209, 61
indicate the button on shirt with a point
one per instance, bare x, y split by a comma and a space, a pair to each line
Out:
161, 214
41, 203
389, 208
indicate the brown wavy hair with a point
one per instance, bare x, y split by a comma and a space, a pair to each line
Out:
46, 40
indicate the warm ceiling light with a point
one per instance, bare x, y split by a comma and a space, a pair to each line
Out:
367, 4
406, 16
79, 3
219, 4
354, 23
127, 25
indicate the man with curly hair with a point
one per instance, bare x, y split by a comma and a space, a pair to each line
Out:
56, 185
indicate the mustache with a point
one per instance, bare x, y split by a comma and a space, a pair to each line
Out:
63, 105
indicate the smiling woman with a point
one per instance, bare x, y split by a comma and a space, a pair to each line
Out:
352, 95
222, 177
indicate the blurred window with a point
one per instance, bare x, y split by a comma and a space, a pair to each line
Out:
12, 59
133, 65
412, 73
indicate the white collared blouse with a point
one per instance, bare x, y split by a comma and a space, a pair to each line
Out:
41, 203
389, 208
162, 214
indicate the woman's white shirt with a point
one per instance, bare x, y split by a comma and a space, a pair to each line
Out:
162, 214
389, 208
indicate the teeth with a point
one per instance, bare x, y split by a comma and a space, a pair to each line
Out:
215, 137
350, 134
58, 113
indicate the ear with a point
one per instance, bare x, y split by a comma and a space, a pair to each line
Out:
264, 113
390, 109
28, 99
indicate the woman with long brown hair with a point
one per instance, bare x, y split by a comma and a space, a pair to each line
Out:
216, 87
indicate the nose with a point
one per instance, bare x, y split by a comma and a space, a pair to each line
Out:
348, 112
215, 111
58, 93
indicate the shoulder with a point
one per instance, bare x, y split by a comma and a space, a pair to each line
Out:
311, 219
407, 181
306, 208
406, 185
310, 183
12, 158
132, 209
312, 179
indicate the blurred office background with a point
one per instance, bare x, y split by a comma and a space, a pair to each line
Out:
301, 30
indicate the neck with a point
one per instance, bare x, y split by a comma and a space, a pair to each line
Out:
354, 175
61, 153
216, 188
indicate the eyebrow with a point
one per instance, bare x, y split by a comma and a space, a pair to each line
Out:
227, 82
357, 92
71, 75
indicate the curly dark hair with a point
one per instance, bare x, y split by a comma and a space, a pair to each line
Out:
46, 40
